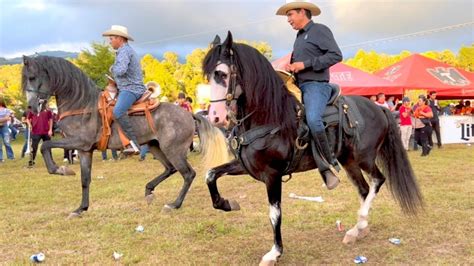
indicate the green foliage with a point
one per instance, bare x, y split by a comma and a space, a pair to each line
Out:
96, 63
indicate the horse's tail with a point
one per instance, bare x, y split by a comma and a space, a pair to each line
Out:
213, 144
393, 160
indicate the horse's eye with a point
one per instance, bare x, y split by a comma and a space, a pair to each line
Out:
32, 78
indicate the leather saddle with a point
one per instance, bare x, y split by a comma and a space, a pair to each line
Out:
143, 106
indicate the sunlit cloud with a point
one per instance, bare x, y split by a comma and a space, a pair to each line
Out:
37, 5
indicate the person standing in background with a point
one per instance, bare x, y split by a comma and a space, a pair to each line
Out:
405, 122
433, 103
41, 125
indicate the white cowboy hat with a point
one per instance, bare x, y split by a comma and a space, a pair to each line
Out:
296, 4
117, 30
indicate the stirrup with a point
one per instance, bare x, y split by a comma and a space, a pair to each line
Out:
131, 149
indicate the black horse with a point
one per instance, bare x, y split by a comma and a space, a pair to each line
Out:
169, 142
266, 131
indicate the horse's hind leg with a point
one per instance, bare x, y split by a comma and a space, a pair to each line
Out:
367, 194
169, 170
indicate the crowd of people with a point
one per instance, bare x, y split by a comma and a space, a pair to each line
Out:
420, 119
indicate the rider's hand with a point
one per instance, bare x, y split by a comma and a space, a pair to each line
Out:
296, 67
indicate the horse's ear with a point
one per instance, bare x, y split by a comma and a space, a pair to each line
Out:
216, 42
228, 41
25, 60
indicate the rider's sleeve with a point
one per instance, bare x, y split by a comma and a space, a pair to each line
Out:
122, 61
326, 43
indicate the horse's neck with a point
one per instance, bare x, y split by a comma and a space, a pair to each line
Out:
64, 103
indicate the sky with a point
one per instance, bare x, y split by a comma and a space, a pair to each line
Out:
388, 26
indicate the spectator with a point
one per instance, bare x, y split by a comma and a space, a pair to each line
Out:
114, 155
182, 102
373, 98
189, 101
41, 129
202, 110
467, 109
5, 117
26, 133
433, 103
144, 149
422, 115
11, 126
405, 122
381, 101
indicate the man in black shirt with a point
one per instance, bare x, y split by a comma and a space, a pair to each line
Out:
314, 51
435, 119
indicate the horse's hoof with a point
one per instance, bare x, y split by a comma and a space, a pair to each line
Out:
63, 170
267, 263
166, 209
363, 233
234, 205
149, 198
349, 239
73, 215
68, 171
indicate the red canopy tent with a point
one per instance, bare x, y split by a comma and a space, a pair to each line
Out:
352, 80
419, 72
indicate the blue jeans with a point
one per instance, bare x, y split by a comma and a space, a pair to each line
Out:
124, 101
114, 154
143, 150
315, 97
26, 133
5, 135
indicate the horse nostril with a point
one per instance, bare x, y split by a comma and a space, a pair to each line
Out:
216, 120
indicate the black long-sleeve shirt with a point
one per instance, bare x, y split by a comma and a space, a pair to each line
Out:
316, 47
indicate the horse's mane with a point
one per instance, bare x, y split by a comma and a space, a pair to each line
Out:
77, 91
264, 90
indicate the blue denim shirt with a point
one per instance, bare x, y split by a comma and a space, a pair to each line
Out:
127, 71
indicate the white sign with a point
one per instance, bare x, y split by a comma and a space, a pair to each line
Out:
456, 129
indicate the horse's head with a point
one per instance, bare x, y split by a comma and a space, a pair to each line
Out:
36, 84
222, 73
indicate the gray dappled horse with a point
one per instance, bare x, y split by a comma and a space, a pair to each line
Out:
43, 77
265, 119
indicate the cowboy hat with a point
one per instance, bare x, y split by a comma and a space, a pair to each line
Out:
297, 4
117, 30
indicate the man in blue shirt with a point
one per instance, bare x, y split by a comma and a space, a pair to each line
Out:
128, 75
314, 51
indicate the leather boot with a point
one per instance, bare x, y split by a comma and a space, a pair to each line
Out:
323, 156
133, 148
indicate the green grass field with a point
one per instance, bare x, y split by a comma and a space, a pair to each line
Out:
34, 206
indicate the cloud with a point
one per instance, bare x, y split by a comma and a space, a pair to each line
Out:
182, 25
37, 5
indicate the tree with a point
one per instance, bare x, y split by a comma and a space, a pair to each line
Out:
96, 63
465, 58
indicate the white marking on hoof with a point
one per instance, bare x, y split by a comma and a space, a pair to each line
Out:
349, 239
73, 215
234, 205
363, 233
271, 257
68, 171
351, 236
166, 209
149, 198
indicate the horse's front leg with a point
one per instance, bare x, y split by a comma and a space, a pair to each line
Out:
86, 166
274, 199
65, 143
232, 168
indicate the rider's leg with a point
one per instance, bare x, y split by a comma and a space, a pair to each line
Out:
316, 96
124, 101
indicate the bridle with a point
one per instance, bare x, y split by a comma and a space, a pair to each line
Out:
41, 97
231, 90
